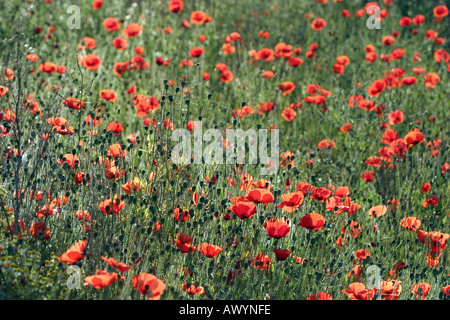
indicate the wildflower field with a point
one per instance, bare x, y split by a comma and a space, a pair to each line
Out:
119, 179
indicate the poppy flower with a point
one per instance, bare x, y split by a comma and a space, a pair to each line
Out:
198, 17
111, 24
192, 290
391, 289
108, 95
431, 79
410, 223
71, 159
116, 150
320, 194
206, 76
97, 4
181, 214
277, 228
291, 201
289, 114
358, 291
421, 290
419, 19
131, 185
82, 215
377, 211
226, 76
355, 229
185, 247
132, 30
395, 117
75, 253
89, 43
440, 11
48, 67
243, 209
40, 231
426, 187
102, 279
286, 87
376, 88
318, 24
326, 144
9, 74
281, 254
409, 80
122, 267
120, 43
319, 296
148, 285
446, 290
360, 255
3, 91
388, 40
414, 137
73, 103
176, 6
209, 250
261, 261
228, 48
111, 207
260, 195
115, 127
267, 74
196, 52
312, 221
91, 62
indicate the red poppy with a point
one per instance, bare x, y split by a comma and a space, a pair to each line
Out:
376, 88
261, 261
132, 30
198, 17
277, 228
75, 253
176, 6
196, 52
358, 291
320, 194
377, 211
286, 87
243, 209
147, 284
192, 290
122, 267
40, 231
209, 250
260, 195
181, 214
410, 223
291, 201
282, 254
312, 221
91, 62
440, 11
111, 24
318, 24
110, 206
319, 296
101, 279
